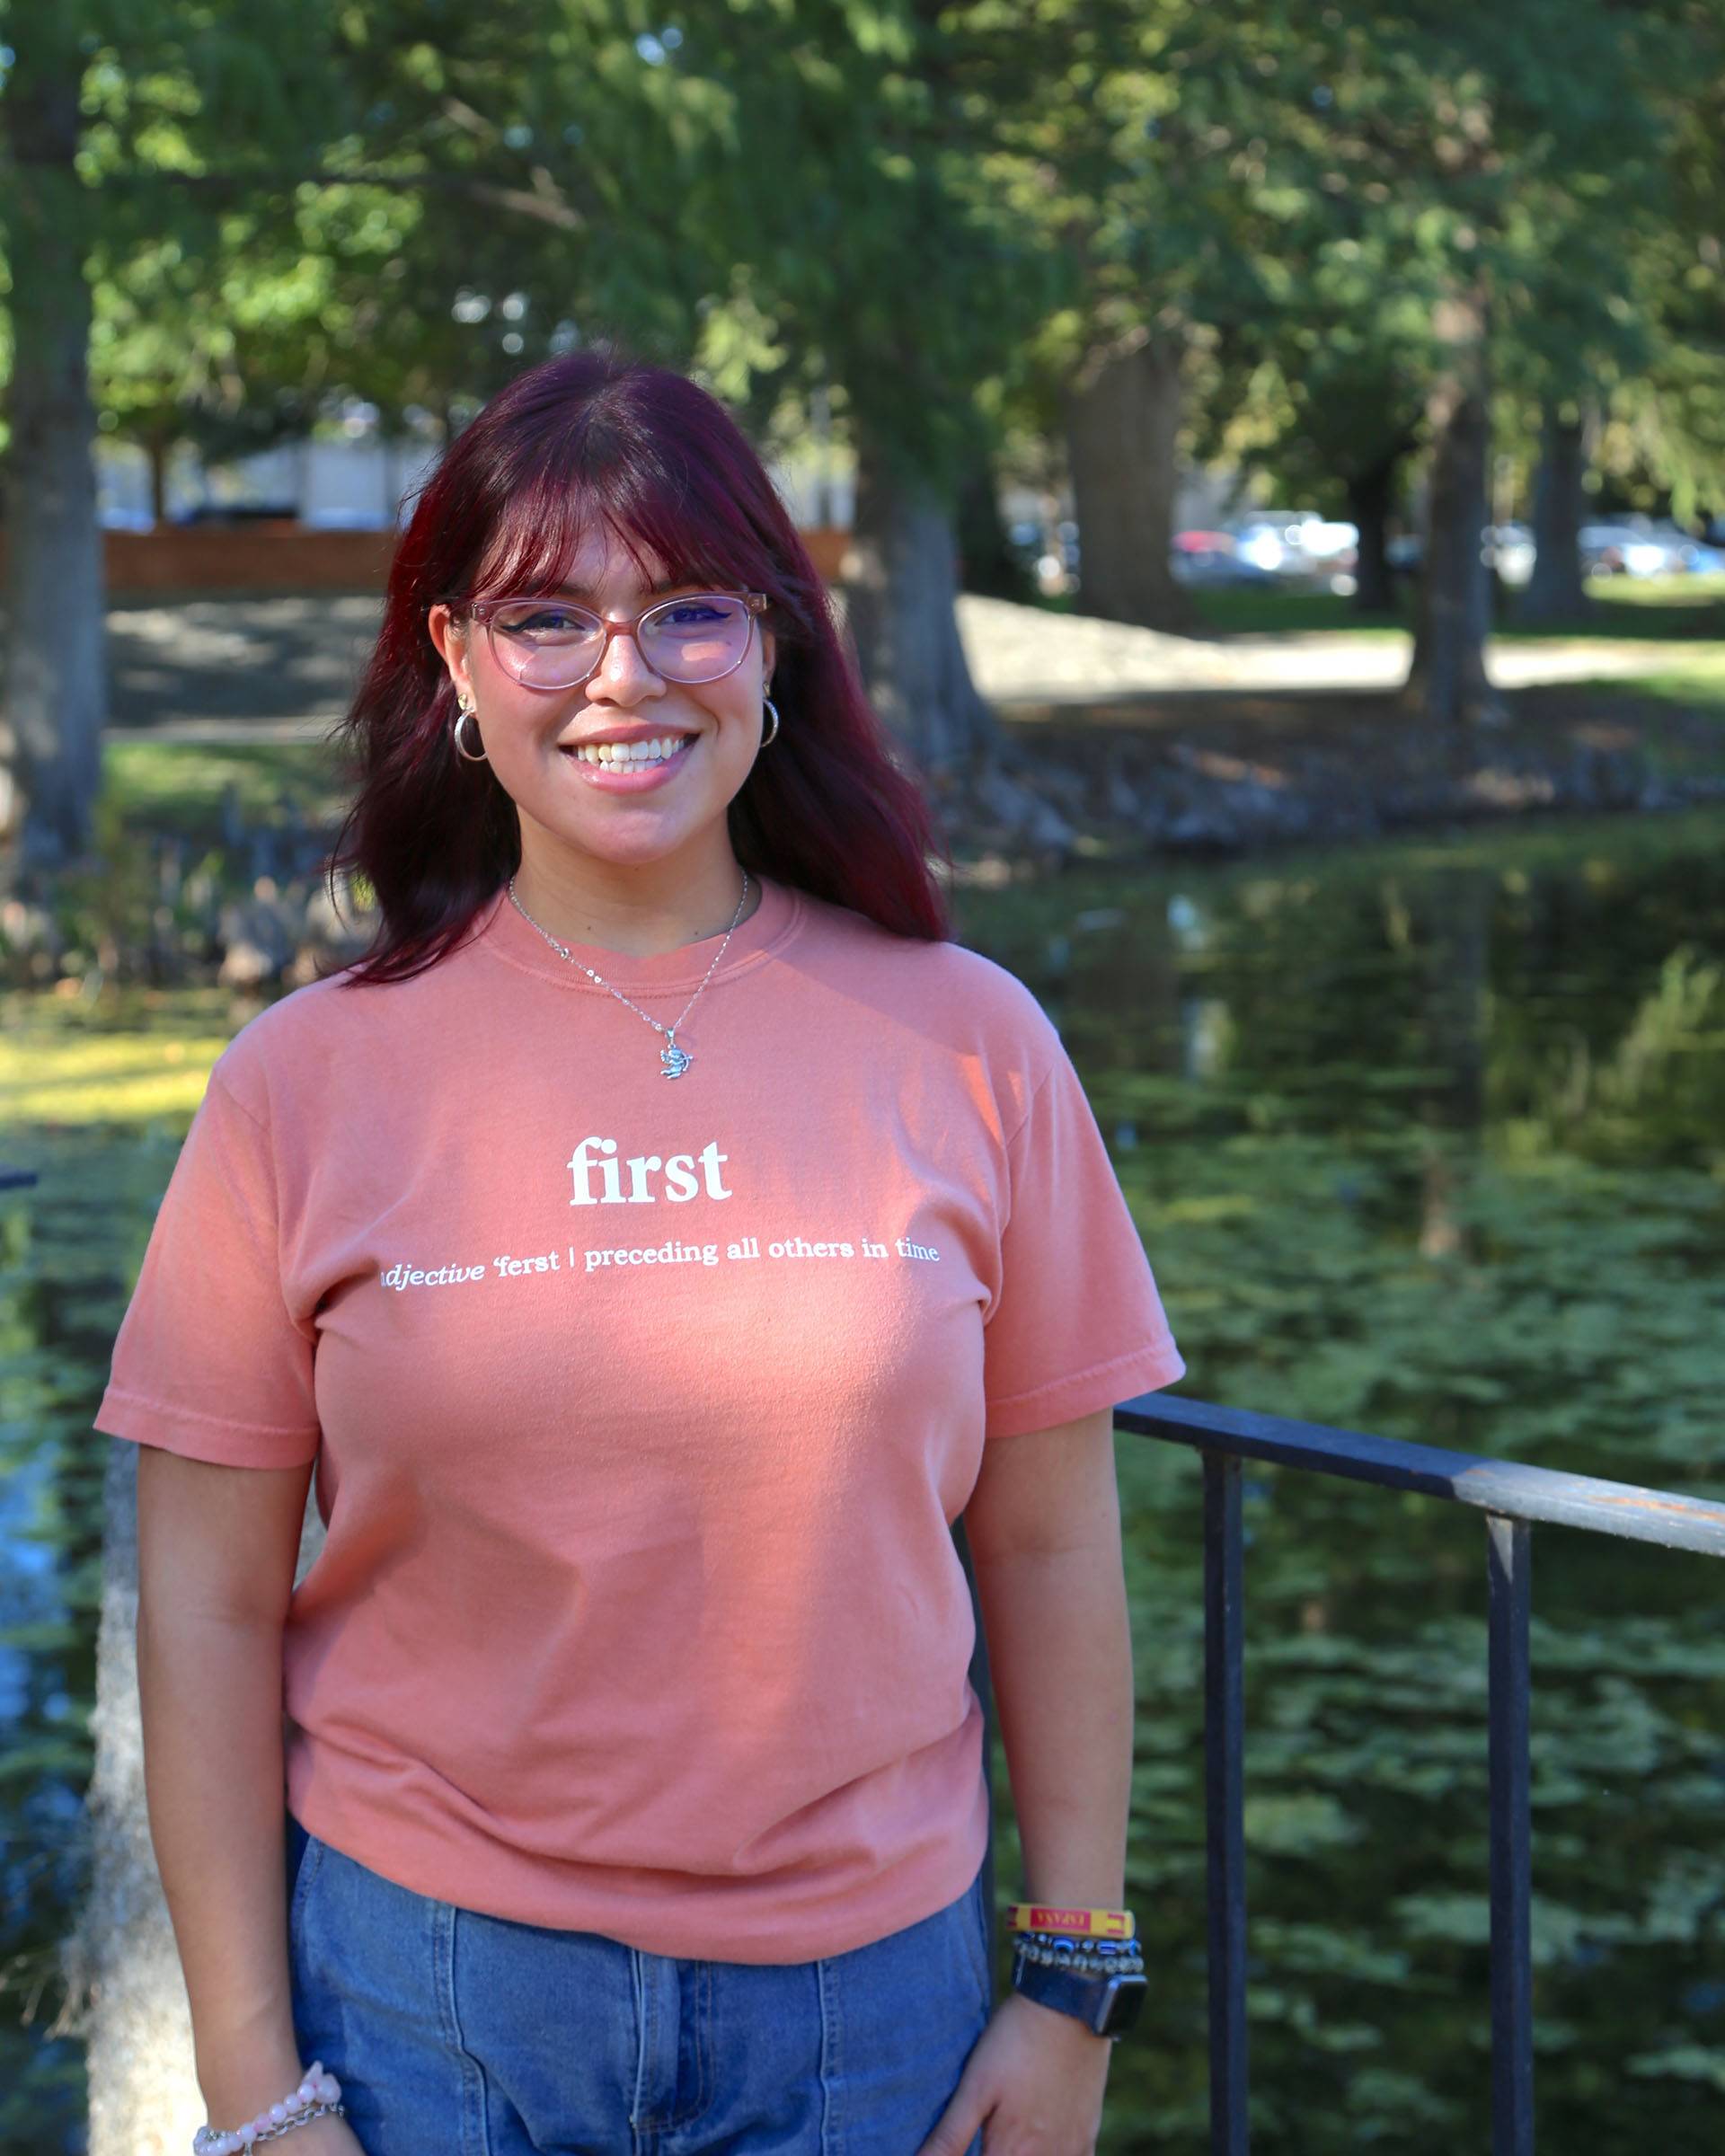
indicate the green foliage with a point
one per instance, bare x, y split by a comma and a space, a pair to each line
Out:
1338, 1098
1532, 159
194, 788
1684, 2063
937, 211
64, 1273
216, 308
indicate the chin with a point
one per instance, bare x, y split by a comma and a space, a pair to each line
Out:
638, 849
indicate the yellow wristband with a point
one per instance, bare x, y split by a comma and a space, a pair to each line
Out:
1071, 1923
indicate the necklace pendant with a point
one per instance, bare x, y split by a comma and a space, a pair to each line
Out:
673, 1061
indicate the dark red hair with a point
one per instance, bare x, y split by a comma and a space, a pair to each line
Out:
594, 441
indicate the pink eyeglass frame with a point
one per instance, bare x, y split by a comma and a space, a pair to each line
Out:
482, 610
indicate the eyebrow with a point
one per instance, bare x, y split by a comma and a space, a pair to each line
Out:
654, 591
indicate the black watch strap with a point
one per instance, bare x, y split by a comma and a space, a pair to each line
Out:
1106, 2005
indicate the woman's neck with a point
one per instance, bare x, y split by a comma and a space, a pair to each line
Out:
636, 912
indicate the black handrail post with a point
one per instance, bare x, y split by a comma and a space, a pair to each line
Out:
1509, 1566
1225, 1785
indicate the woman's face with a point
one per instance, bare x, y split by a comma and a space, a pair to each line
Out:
568, 802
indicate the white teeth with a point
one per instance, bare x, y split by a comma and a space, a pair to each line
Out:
630, 752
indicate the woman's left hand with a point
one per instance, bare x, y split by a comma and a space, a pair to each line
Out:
1033, 2084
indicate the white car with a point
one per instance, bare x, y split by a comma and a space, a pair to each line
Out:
1626, 548
1295, 543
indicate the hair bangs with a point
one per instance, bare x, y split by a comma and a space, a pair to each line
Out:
676, 526
538, 530
696, 534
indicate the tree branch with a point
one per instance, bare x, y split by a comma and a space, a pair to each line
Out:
548, 208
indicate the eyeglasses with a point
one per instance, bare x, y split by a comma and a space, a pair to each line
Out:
552, 644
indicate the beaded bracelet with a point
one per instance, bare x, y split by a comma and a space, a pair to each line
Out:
318, 2096
1082, 1956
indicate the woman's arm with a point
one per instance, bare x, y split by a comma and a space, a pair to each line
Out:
216, 1551
1043, 1525
1044, 1529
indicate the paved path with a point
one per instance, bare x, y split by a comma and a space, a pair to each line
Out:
256, 669
283, 668
1022, 654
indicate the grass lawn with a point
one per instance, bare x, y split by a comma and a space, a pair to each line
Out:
1654, 608
186, 787
136, 1057
1651, 608
1265, 611
1696, 681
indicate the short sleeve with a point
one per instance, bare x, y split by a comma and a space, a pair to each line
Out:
209, 1361
1078, 1324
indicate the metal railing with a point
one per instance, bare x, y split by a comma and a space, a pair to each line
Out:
1514, 1498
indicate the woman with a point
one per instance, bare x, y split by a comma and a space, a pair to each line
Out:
632, 1780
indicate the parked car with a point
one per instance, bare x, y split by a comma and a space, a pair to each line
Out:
1295, 544
1634, 547
1692, 557
1507, 549
1212, 557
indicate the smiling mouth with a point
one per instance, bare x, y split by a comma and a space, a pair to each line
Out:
629, 756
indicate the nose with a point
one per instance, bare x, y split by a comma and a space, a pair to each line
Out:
623, 674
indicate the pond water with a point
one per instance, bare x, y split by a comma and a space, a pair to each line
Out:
1424, 1140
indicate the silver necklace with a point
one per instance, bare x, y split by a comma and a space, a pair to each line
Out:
675, 1060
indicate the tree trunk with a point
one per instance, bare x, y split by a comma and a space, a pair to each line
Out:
1122, 429
987, 561
126, 1990
50, 734
127, 1996
1447, 682
1371, 496
1555, 592
155, 448
901, 595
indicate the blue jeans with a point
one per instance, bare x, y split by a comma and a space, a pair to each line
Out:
457, 2034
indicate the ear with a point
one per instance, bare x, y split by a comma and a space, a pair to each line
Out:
450, 637
769, 653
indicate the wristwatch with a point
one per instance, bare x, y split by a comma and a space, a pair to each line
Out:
1107, 2005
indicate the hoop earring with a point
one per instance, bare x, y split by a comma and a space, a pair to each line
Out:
772, 713
466, 711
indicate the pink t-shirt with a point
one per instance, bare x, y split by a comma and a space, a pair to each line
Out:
640, 1410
